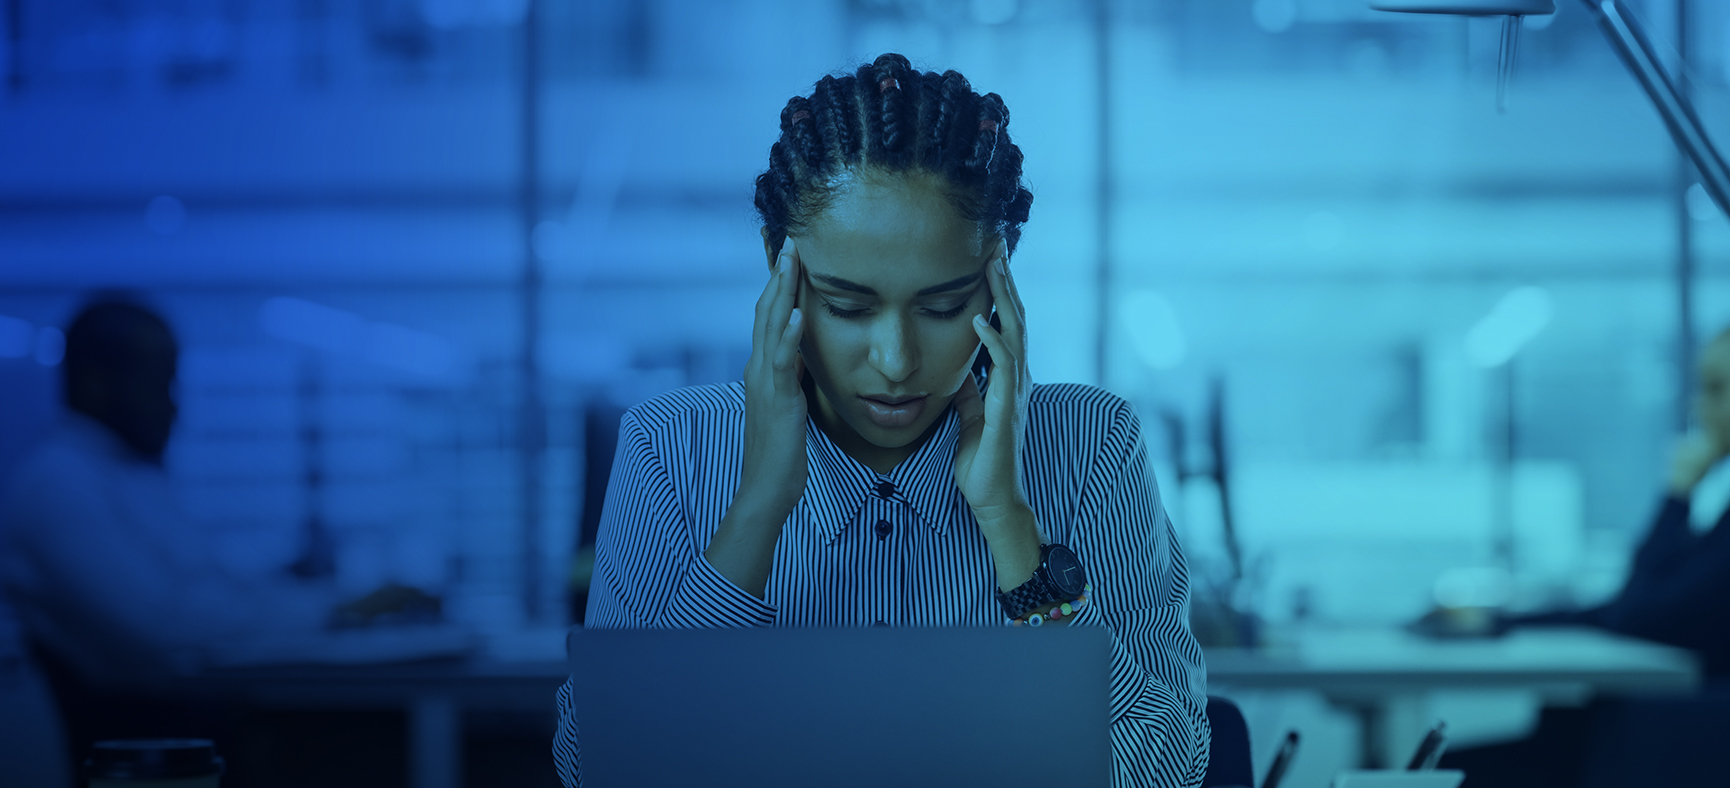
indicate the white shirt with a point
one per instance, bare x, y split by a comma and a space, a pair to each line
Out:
102, 567
862, 548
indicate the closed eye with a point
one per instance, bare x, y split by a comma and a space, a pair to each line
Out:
947, 313
844, 314
849, 314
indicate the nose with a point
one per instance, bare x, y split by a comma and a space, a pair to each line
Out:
894, 354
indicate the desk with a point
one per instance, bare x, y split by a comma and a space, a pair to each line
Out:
433, 693
1382, 675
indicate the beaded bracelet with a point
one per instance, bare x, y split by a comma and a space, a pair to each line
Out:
1056, 613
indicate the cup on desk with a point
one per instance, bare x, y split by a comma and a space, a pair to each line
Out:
1469, 603
1460, 622
154, 763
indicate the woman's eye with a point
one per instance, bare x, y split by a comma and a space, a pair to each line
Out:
848, 314
842, 313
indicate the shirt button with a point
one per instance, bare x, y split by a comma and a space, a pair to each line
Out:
885, 489
883, 529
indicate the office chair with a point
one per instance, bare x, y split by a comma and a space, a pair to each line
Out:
1228, 762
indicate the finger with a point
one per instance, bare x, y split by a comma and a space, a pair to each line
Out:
1001, 354
766, 325
787, 353
969, 403
1011, 312
786, 290
760, 314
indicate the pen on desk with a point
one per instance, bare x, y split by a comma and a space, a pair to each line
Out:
1281, 760
1430, 749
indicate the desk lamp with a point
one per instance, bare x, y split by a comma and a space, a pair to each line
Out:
1510, 10
1630, 41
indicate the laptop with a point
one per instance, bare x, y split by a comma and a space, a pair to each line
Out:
767, 708
1438, 778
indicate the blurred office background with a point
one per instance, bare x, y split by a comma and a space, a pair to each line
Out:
421, 252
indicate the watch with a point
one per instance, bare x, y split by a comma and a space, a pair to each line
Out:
1059, 578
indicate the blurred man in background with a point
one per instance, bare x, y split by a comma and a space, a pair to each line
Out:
114, 590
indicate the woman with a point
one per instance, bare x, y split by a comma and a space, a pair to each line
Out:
857, 476
1677, 592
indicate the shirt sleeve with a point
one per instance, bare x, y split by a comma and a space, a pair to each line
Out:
1667, 545
649, 571
1159, 729
1679, 582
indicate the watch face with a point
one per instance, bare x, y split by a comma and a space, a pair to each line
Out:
1065, 571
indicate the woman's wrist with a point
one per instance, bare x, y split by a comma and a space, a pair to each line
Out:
1012, 536
1007, 520
743, 548
762, 503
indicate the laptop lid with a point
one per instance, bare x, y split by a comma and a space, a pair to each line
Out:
1009, 706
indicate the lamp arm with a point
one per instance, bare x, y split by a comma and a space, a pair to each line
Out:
1632, 43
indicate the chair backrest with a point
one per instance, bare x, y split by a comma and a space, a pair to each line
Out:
1228, 761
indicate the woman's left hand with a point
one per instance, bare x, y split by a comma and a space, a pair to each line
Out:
988, 455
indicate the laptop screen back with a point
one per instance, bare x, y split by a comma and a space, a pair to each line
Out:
843, 707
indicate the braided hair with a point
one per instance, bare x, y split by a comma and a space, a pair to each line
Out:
889, 117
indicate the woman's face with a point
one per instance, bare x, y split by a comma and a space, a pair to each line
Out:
893, 278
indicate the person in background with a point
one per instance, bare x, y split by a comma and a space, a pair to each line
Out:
109, 586
1678, 593
1678, 586
1678, 589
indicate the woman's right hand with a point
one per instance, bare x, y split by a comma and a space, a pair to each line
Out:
773, 477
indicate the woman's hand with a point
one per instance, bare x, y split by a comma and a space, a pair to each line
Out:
988, 455
774, 470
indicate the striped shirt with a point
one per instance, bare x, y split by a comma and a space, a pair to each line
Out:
861, 548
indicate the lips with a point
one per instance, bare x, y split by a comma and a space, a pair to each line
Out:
893, 412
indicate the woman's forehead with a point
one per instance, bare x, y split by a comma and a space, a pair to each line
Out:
893, 233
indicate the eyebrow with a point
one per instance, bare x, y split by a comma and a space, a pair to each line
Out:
849, 285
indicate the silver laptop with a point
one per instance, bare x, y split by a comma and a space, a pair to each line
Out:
843, 707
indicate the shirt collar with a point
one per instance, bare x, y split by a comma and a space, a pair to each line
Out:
838, 484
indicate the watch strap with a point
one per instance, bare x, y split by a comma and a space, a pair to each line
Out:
1036, 592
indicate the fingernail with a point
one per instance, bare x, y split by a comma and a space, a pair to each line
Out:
1002, 270
794, 320
979, 320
